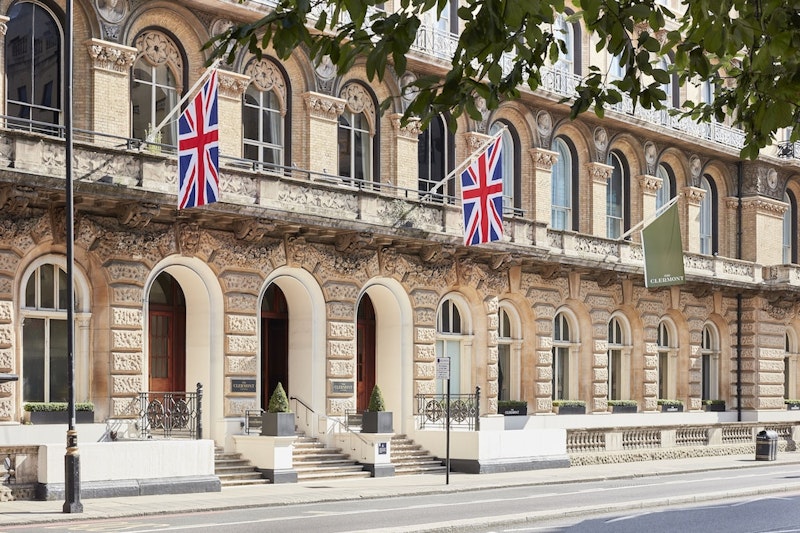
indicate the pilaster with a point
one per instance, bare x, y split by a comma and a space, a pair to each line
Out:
406, 139
322, 142
692, 197
762, 230
596, 211
231, 88
543, 161
110, 71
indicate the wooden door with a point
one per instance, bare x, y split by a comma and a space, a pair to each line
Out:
365, 353
274, 343
167, 337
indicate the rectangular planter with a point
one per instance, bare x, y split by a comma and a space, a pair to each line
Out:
671, 408
624, 408
376, 422
512, 411
715, 407
571, 410
792, 407
277, 424
60, 417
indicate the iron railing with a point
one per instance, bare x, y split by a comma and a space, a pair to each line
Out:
171, 414
464, 411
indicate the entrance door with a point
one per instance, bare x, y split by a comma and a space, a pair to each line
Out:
167, 336
365, 353
274, 343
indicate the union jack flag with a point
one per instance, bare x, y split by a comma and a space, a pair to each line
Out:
482, 197
198, 148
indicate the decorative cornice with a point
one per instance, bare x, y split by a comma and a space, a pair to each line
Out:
599, 172
543, 159
324, 106
694, 195
233, 85
111, 56
252, 229
760, 204
650, 183
14, 199
136, 215
475, 140
410, 131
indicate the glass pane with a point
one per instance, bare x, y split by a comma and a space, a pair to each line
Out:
33, 360
362, 156
456, 319
453, 351
141, 103
30, 291
345, 148
19, 53
250, 115
58, 361
504, 372
663, 373
63, 297
47, 283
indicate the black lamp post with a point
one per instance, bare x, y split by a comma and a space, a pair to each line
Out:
72, 460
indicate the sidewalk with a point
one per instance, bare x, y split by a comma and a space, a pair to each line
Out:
32, 512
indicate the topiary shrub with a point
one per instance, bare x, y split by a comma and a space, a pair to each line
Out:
278, 402
376, 401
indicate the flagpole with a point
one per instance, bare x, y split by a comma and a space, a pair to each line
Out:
179, 105
645, 222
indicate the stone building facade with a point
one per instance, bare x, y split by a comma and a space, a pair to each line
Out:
328, 267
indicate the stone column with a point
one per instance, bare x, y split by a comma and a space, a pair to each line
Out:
111, 82
762, 230
595, 212
690, 212
231, 88
405, 168
543, 161
322, 143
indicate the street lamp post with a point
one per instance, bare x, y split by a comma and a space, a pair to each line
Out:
72, 460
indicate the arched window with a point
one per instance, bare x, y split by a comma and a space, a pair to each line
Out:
504, 339
356, 125
790, 229
619, 356
616, 71
671, 88
450, 336
789, 369
564, 370
510, 165
156, 87
435, 156
43, 307
667, 361
263, 109
667, 190
709, 364
616, 200
708, 217
564, 31
448, 18
33, 66
563, 186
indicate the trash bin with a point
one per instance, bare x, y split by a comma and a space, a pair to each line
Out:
766, 445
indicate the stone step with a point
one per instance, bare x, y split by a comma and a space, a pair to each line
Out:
233, 471
313, 475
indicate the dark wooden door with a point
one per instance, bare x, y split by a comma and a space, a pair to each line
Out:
167, 337
365, 353
274, 343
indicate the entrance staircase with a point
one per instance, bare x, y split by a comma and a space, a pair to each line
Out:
313, 461
232, 470
409, 458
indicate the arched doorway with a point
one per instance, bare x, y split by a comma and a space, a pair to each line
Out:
274, 343
167, 335
365, 353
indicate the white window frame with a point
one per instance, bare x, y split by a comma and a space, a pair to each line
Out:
709, 362
449, 343
667, 360
567, 349
561, 173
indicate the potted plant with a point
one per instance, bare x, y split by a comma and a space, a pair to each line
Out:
569, 407
623, 406
512, 407
671, 406
792, 405
713, 405
56, 412
278, 421
376, 419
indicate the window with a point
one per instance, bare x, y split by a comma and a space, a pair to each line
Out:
562, 187
706, 92
667, 190
450, 336
616, 71
709, 354
356, 125
448, 19
790, 229
263, 107
616, 206
156, 87
615, 367
44, 336
435, 158
504, 371
510, 164
667, 353
563, 373
708, 217
33, 66
563, 31
671, 88
788, 369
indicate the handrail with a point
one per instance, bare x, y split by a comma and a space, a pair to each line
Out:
301, 402
325, 417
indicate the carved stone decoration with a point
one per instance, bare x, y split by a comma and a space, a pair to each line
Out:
58, 225
14, 199
323, 106
411, 130
266, 76
112, 11
252, 229
111, 31
158, 49
220, 26
431, 253
231, 84
695, 167
651, 157
606, 278
760, 179
407, 92
359, 101
137, 215
188, 237
599, 172
601, 143
694, 195
543, 159
544, 125
351, 242
3, 25
650, 183
480, 105
113, 57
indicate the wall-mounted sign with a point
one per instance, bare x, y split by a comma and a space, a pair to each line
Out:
381, 448
342, 387
442, 368
243, 385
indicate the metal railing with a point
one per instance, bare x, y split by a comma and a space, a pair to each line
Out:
252, 421
464, 411
171, 414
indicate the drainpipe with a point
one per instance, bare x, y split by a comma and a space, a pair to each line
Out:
739, 179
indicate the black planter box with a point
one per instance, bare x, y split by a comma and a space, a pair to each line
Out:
792, 407
624, 408
671, 408
60, 417
376, 422
716, 407
277, 424
512, 411
571, 409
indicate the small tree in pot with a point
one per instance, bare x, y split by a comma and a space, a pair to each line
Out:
278, 421
376, 419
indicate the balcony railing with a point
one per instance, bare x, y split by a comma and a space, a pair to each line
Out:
464, 411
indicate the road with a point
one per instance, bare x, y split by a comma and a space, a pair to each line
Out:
646, 503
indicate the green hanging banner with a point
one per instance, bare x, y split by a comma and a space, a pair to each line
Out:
663, 250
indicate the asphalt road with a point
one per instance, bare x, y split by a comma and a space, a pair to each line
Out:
648, 503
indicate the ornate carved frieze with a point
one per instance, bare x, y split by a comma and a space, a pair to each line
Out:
764, 205
694, 195
411, 130
323, 106
358, 100
137, 215
543, 159
252, 229
111, 56
599, 172
649, 183
14, 199
233, 85
353, 241
266, 76
475, 140
188, 237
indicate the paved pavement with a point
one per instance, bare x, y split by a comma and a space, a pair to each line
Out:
33, 512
